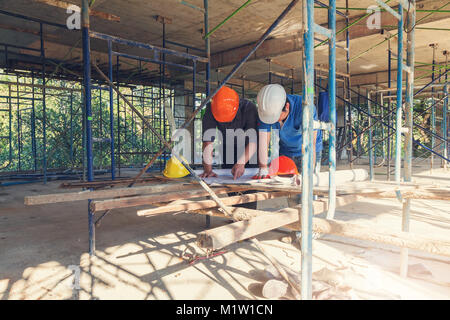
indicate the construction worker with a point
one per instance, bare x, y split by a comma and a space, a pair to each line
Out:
280, 111
233, 117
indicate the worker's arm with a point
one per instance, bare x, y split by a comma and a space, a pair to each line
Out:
264, 142
208, 147
239, 168
263, 154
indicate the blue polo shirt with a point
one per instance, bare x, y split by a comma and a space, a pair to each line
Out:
291, 133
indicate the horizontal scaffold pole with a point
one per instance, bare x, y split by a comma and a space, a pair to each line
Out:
106, 37
127, 202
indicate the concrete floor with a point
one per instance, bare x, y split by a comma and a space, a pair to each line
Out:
140, 258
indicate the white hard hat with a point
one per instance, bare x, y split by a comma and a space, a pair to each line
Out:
271, 100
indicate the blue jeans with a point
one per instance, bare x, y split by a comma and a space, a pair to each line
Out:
294, 200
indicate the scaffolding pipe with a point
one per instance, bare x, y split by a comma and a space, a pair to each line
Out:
433, 109
398, 122
333, 116
118, 115
208, 69
111, 112
388, 173
33, 124
322, 5
347, 86
387, 125
71, 130
130, 56
162, 89
88, 115
371, 147
44, 108
147, 46
19, 143
445, 113
409, 109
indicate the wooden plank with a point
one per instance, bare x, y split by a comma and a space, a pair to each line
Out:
255, 222
211, 203
319, 180
108, 183
240, 214
151, 199
64, 5
225, 235
104, 194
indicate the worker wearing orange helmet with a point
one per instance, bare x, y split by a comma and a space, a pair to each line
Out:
227, 112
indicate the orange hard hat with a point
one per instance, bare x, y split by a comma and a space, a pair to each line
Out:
282, 166
225, 105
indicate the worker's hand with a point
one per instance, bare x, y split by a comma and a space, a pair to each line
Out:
263, 173
297, 180
238, 170
208, 174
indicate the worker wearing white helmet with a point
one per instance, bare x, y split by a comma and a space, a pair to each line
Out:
280, 111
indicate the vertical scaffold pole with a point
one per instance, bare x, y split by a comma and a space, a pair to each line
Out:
71, 129
119, 151
33, 123
19, 140
44, 106
88, 113
162, 93
369, 111
307, 149
194, 81
347, 85
409, 108
433, 108
208, 70
332, 103
398, 122
388, 173
111, 112
445, 112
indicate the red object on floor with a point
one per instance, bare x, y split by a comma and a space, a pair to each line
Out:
282, 166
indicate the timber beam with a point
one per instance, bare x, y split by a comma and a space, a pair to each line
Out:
128, 202
205, 204
220, 237
109, 193
254, 222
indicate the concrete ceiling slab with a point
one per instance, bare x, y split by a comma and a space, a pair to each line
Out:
138, 23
